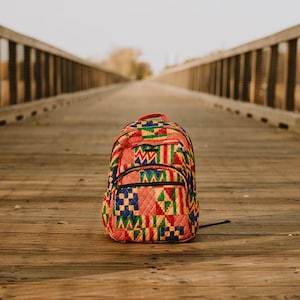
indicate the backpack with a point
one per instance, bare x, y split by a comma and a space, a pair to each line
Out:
151, 191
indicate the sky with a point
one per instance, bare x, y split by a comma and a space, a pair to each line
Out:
165, 31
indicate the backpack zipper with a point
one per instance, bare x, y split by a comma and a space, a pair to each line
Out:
176, 183
143, 167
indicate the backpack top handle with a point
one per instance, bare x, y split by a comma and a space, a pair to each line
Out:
154, 115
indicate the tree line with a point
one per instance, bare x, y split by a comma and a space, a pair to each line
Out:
125, 61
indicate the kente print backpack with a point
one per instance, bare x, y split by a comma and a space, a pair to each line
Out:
151, 192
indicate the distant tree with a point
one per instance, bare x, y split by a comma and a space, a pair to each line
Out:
122, 61
143, 70
125, 62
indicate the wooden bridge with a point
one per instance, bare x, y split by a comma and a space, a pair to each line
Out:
53, 169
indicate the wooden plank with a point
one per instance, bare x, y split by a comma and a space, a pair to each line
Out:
53, 174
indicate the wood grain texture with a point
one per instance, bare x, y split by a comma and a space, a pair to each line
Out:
53, 172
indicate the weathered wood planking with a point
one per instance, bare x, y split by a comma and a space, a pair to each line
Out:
53, 174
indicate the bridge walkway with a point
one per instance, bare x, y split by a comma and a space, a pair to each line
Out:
53, 174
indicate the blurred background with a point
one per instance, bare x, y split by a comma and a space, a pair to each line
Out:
138, 38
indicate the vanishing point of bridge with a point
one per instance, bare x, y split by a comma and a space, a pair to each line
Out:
59, 116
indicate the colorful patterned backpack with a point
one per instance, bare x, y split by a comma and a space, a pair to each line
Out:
151, 193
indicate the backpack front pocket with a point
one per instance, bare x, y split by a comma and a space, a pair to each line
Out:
151, 211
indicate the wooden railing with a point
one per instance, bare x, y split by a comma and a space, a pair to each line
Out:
32, 70
265, 72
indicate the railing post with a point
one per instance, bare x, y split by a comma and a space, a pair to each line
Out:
297, 78
51, 75
4, 73
63, 75
236, 77
191, 79
20, 74
281, 76
27, 73
32, 75
55, 73
77, 77
219, 81
225, 81
58, 75
272, 78
74, 77
47, 75
198, 79
228, 77
291, 75
39, 74
12, 72
206, 78
256, 78
1, 73
245, 91
212, 78
69, 76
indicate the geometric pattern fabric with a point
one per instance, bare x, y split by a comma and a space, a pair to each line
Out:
151, 191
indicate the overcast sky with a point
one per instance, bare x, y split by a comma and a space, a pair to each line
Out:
164, 30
